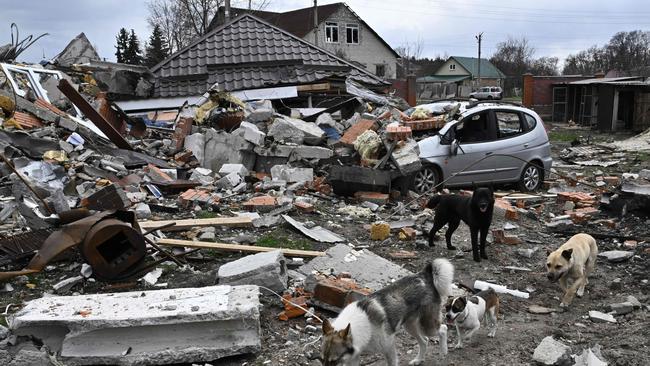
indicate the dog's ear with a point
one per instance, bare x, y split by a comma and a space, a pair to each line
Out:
345, 332
548, 252
491, 187
567, 253
327, 327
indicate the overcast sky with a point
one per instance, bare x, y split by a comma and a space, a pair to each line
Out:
554, 27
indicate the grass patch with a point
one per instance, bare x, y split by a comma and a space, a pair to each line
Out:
642, 156
205, 214
278, 239
562, 136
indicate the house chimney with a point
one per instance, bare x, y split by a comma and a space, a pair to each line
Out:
227, 11
316, 22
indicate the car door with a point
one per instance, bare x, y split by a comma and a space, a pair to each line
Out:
476, 137
514, 141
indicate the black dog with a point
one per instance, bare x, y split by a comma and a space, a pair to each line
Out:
475, 211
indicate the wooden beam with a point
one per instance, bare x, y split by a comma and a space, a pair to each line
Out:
314, 87
237, 247
188, 224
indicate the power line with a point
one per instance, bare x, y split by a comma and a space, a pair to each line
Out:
509, 17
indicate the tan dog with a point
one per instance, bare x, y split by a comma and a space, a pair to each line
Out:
572, 262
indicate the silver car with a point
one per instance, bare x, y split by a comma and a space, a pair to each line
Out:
486, 143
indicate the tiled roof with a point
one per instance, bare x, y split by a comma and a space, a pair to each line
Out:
488, 70
298, 22
249, 53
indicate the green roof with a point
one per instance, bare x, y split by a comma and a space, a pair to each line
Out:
488, 70
442, 78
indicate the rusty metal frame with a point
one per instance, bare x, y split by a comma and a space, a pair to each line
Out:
78, 100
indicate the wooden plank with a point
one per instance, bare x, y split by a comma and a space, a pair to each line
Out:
313, 87
188, 224
237, 247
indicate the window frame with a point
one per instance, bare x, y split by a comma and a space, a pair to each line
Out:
452, 67
352, 26
383, 69
331, 27
450, 135
525, 115
521, 124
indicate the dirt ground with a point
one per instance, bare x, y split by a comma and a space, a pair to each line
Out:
626, 342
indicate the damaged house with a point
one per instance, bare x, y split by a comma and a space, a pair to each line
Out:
335, 28
252, 55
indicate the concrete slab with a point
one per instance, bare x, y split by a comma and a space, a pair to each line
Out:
250, 133
291, 175
267, 269
145, 327
237, 168
366, 268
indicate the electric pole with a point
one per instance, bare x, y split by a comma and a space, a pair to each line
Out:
479, 38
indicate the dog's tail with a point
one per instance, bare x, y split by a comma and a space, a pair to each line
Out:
442, 272
433, 201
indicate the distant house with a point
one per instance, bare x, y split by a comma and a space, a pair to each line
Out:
340, 31
78, 51
464, 71
248, 53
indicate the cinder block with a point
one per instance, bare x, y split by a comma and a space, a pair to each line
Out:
268, 269
159, 327
233, 168
230, 181
292, 175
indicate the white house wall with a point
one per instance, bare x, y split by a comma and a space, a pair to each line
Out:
370, 51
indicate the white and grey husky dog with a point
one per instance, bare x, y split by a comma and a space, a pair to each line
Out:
370, 325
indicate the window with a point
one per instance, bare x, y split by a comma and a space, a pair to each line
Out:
475, 128
380, 70
452, 67
352, 33
509, 124
331, 32
530, 122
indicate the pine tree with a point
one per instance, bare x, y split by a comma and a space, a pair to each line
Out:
157, 48
133, 55
122, 44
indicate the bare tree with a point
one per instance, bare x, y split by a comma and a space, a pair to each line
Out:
627, 52
409, 52
183, 20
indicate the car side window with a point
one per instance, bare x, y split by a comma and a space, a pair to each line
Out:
530, 122
475, 128
508, 124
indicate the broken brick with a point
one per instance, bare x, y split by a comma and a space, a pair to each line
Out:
407, 233
26, 120
576, 197
336, 292
350, 136
374, 197
304, 207
500, 237
434, 123
261, 204
156, 174
403, 254
398, 133
196, 196
612, 181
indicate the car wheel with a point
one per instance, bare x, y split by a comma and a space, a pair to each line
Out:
531, 178
489, 97
426, 179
